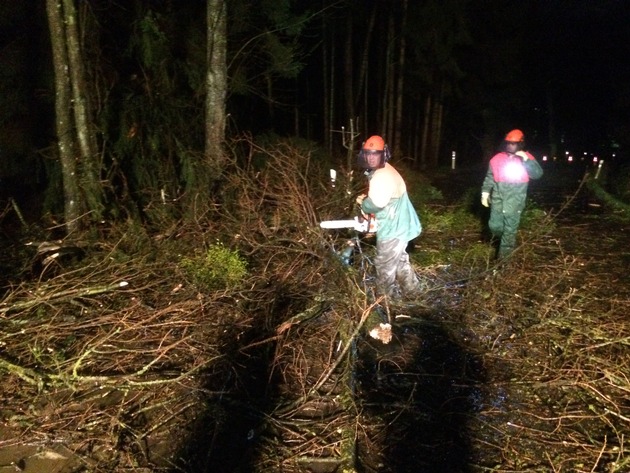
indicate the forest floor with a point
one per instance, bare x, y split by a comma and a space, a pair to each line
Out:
120, 359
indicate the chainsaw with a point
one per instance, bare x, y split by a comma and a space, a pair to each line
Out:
360, 223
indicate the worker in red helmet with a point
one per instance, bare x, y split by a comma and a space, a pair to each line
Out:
504, 189
398, 221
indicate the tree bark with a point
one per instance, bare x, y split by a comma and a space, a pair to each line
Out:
328, 56
216, 87
89, 164
76, 138
362, 79
400, 86
390, 82
424, 145
436, 134
349, 73
73, 204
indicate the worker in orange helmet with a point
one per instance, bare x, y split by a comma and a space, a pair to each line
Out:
398, 221
504, 189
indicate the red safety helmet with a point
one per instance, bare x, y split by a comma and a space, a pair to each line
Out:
514, 136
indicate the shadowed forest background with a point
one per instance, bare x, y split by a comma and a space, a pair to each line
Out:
169, 302
432, 77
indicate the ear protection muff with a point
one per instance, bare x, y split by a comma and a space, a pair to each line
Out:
386, 154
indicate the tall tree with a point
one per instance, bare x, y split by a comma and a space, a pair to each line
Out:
437, 28
216, 85
402, 50
348, 72
328, 78
75, 132
390, 80
368, 33
266, 55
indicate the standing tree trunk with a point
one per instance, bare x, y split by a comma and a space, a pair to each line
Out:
348, 72
89, 164
73, 203
362, 79
363, 69
390, 83
436, 133
551, 133
216, 89
424, 144
400, 86
328, 78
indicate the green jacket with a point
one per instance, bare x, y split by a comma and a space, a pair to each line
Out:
389, 202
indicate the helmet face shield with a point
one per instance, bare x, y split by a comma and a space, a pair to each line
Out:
371, 159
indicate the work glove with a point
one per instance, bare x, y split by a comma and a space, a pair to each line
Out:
523, 155
485, 199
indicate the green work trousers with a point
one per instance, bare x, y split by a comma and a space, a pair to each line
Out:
503, 226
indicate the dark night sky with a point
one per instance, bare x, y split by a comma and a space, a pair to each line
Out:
580, 50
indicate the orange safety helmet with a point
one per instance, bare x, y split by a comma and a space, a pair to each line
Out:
514, 136
374, 143
374, 153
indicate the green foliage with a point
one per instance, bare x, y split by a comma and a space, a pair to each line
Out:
536, 219
455, 220
454, 252
420, 190
282, 58
477, 254
152, 43
219, 268
450, 232
266, 45
613, 186
451, 237
617, 201
151, 122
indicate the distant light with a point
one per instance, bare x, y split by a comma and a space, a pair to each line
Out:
544, 158
595, 159
570, 159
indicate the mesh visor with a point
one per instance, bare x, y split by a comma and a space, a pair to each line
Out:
371, 159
